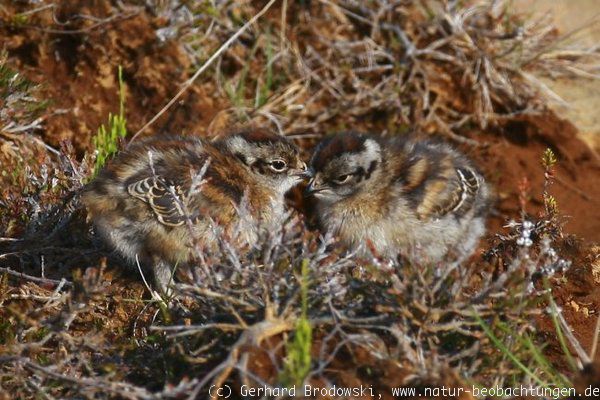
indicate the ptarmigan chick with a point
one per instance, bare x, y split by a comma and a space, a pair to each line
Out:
156, 197
398, 196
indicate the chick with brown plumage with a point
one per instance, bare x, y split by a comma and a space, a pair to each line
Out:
153, 200
420, 199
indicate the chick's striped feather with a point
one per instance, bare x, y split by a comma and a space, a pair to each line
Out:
164, 198
454, 195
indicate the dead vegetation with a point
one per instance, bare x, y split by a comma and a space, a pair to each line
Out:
296, 309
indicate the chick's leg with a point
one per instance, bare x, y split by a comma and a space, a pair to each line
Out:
163, 276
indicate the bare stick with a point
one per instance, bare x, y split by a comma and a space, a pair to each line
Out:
251, 337
204, 67
573, 188
283, 23
34, 278
595, 341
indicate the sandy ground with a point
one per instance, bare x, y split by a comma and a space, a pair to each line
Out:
582, 16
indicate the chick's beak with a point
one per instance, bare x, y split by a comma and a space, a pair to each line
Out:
301, 171
313, 187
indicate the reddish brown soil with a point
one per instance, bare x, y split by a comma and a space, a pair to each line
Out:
579, 297
77, 72
512, 152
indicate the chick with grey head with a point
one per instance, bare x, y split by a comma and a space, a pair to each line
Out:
420, 199
153, 200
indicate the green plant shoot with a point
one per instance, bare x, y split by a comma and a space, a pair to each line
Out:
298, 350
106, 141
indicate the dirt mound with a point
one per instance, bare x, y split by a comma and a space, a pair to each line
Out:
511, 158
76, 64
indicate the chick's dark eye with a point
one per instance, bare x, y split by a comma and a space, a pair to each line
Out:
342, 179
278, 165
